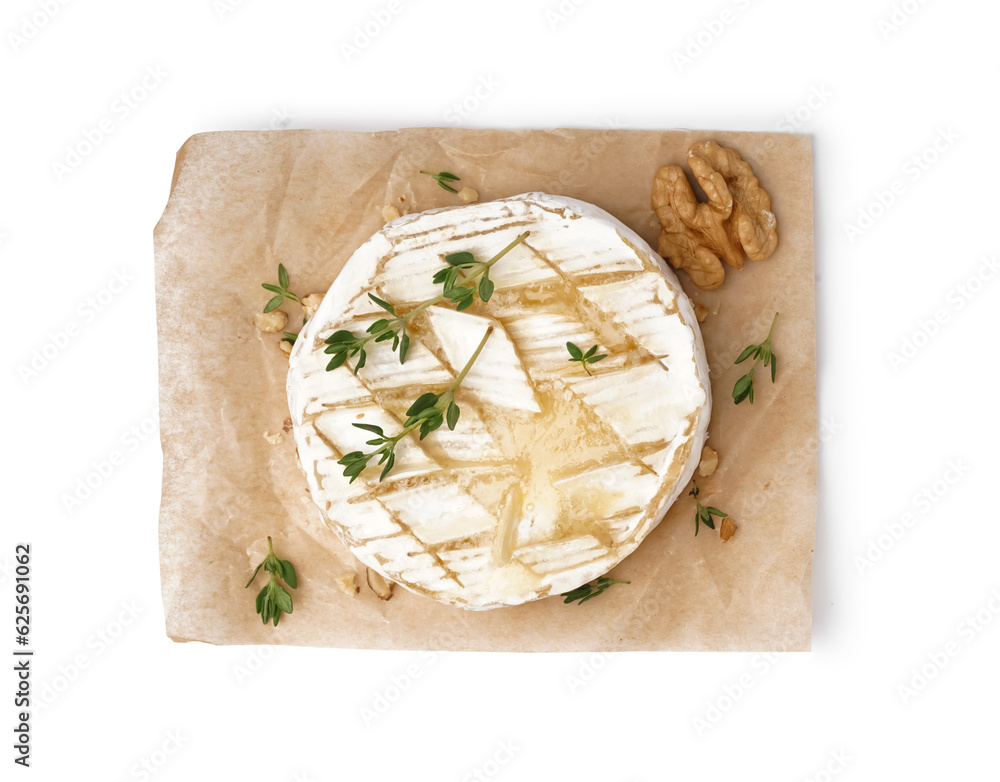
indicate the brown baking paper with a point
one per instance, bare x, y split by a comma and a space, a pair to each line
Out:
243, 201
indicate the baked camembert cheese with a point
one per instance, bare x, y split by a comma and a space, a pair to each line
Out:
552, 475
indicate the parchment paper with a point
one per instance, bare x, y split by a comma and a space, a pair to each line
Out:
240, 202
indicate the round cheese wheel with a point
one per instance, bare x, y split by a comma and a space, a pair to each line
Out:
554, 472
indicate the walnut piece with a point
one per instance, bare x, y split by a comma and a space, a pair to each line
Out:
345, 583
389, 212
311, 303
274, 439
286, 347
709, 461
270, 322
700, 312
379, 585
728, 528
736, 220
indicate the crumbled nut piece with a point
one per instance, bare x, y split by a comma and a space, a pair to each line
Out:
286, 425
728, 528
311, 303
379, 585
275, 438
389, 212
286, 347
737, 218
709, 461
700, 312
271, 322
468, 195
345, 583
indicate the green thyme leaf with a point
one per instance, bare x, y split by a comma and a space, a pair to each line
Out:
255, 572
383, 304
288, 574
485, 289
464, 258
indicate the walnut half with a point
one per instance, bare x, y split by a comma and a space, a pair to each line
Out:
735, 221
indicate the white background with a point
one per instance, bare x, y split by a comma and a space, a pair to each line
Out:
876, 83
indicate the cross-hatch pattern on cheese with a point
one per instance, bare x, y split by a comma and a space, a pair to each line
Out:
552, 476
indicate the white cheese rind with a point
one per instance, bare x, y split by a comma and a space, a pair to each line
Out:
596, 460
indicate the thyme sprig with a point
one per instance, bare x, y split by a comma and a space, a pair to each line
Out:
585, 592
281, 290
585, 359
763, 353
274, 599
442, 178
428, 413
703, 513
